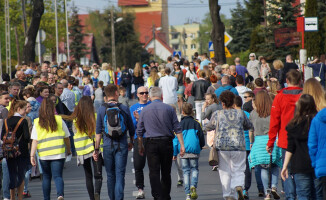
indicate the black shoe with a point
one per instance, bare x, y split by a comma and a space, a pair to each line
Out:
261, 194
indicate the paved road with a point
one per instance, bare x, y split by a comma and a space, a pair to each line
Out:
209, 183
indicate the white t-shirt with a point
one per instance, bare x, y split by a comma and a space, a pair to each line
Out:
52, 157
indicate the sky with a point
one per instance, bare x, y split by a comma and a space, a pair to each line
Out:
180, 11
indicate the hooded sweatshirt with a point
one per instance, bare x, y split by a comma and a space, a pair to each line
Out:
223, 88
298, 146
317, 143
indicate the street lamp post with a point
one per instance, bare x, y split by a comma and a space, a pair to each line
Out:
56, 30
67, 32
114, 62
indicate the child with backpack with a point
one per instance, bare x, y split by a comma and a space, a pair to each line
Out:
194, 141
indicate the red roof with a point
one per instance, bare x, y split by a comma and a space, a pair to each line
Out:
144, 24
151, 50
132, 2
88, 40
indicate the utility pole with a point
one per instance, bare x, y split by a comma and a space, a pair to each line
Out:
0, 61
17, 46
56, 31
7, 30
68, 50
154, 42
113, 39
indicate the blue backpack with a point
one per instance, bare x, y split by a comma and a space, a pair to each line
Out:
114, 122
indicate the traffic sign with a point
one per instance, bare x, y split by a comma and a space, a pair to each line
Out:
62, 58
37, 46
227, 53
40, 36
177, 53
227, 39
210, 46
311, 24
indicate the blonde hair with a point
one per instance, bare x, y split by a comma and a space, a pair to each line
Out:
105, 66
138, 71
225, 66
278, 64
314, 88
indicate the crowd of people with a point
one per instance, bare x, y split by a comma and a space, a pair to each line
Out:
260, 117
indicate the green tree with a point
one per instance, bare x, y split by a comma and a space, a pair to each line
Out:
322, 23
280, 14
240, 31
254, 13
128, 48
205, 30
312, 40
77, 46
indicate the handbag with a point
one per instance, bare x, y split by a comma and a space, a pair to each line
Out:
213, 157
318, 77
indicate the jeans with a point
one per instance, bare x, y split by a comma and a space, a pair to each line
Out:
178, 164
97, 166
323, 181
264, 177
159, 158
52, 168
289, 185
115, 162
190, 171
260, 185
27, 175
97, 104
139, 164
308, 187
5, 179
128, 90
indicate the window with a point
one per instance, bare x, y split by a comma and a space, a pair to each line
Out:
175, 46
154, 0
185, 46
192, 35
193, 46
174, 35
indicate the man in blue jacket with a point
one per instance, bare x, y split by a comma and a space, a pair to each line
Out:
139, 161
225, 86
115, 151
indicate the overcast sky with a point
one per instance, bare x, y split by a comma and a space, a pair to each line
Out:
180, 11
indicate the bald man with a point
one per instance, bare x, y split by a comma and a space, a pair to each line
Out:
21, 78
139, 161
225, 86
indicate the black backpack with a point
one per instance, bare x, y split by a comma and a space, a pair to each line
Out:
10, 145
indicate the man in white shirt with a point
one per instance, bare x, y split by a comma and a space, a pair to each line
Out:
169, 85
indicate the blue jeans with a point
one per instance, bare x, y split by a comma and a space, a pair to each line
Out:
52, 168
5, 179
115, 162
264, 177
289, 185
308, 187
27, 175
190, 171
260, 185
128, 90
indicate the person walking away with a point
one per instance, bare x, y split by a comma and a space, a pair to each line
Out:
198, 90
115, 146
282, 112
83, 119
138, 77
88, 87
194, 142
99, 96
253, 66
258, 157
126, 80
231, 148
181, 88
169, 86
241, 70
50, 137
214, 79
259, 86
15, 133
157, 123
104, 74
225, 86
139, 161
111, 74
307, 185
123, 97
288, 65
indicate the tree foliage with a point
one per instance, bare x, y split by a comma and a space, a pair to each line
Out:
239, 31
254, 13
312, 39
77, 46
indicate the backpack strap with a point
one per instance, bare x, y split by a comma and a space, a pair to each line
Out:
6, 125
18, 124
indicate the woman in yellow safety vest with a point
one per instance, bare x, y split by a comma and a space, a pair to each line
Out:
84, 129
50, 137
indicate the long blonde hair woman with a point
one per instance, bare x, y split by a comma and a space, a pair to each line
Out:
152, 78
138, 71
314, 88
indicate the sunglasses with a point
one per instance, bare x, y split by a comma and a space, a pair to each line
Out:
142, 93
246, 97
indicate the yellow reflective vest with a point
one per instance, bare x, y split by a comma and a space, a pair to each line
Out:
83, 143
50, 143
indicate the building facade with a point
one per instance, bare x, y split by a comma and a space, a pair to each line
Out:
184, 38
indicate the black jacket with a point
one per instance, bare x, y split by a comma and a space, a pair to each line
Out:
298, 146
199, 89
286, 69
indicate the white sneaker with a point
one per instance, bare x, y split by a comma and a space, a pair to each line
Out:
6, 199
60, 198
140, 195
188, 197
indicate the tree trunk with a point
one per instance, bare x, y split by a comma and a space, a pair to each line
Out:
29, 46
17, 46
217, 33
24, 17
